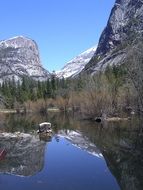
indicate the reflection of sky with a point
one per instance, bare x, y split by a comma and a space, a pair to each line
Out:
79, 140
66, 167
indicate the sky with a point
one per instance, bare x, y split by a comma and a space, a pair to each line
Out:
62, 28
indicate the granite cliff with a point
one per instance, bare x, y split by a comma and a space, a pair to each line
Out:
19, 56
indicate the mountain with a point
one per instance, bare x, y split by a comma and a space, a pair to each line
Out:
76, 65
125, 25
19, 56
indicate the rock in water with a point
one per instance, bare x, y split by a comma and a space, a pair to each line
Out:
19, 56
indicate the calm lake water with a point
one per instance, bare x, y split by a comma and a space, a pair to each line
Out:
79, 155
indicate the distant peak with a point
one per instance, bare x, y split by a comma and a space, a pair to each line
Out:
20, 37
15, 37
77, 64
90, 49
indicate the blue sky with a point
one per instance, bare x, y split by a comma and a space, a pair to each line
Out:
61, 28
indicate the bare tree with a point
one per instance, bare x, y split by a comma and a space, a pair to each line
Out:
134, 68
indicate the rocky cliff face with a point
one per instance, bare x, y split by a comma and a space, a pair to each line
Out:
125, 24
19, 56
76, 65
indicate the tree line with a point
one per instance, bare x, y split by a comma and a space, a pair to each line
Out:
27, 89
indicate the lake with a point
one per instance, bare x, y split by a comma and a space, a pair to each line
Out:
79, 155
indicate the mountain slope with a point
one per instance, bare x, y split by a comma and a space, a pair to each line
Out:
125, 24
19, 56
76, 65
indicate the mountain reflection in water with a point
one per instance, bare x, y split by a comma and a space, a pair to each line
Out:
119, 144
25, 154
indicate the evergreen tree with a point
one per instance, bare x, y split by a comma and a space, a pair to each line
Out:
53, 85
48, 88
39, 90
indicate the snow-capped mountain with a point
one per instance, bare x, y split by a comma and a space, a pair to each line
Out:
76, 65
80, 141
19, 56
125, 24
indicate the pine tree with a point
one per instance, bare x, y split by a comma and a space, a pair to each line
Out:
53, 85
49, 88
39, 90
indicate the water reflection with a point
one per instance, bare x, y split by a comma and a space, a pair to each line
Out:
46, 137
77, 139
120, 144
25, 154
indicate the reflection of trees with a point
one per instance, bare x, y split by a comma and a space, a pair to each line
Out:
22, 122
121, 145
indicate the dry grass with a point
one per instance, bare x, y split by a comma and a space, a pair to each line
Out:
118, 119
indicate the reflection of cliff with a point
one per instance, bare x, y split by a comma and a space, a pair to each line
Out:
25, 154
127, 167
122, 148
80, 141
126, 162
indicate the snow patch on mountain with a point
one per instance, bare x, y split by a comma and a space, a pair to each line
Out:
76, 65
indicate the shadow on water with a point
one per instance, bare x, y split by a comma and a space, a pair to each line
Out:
121, 145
